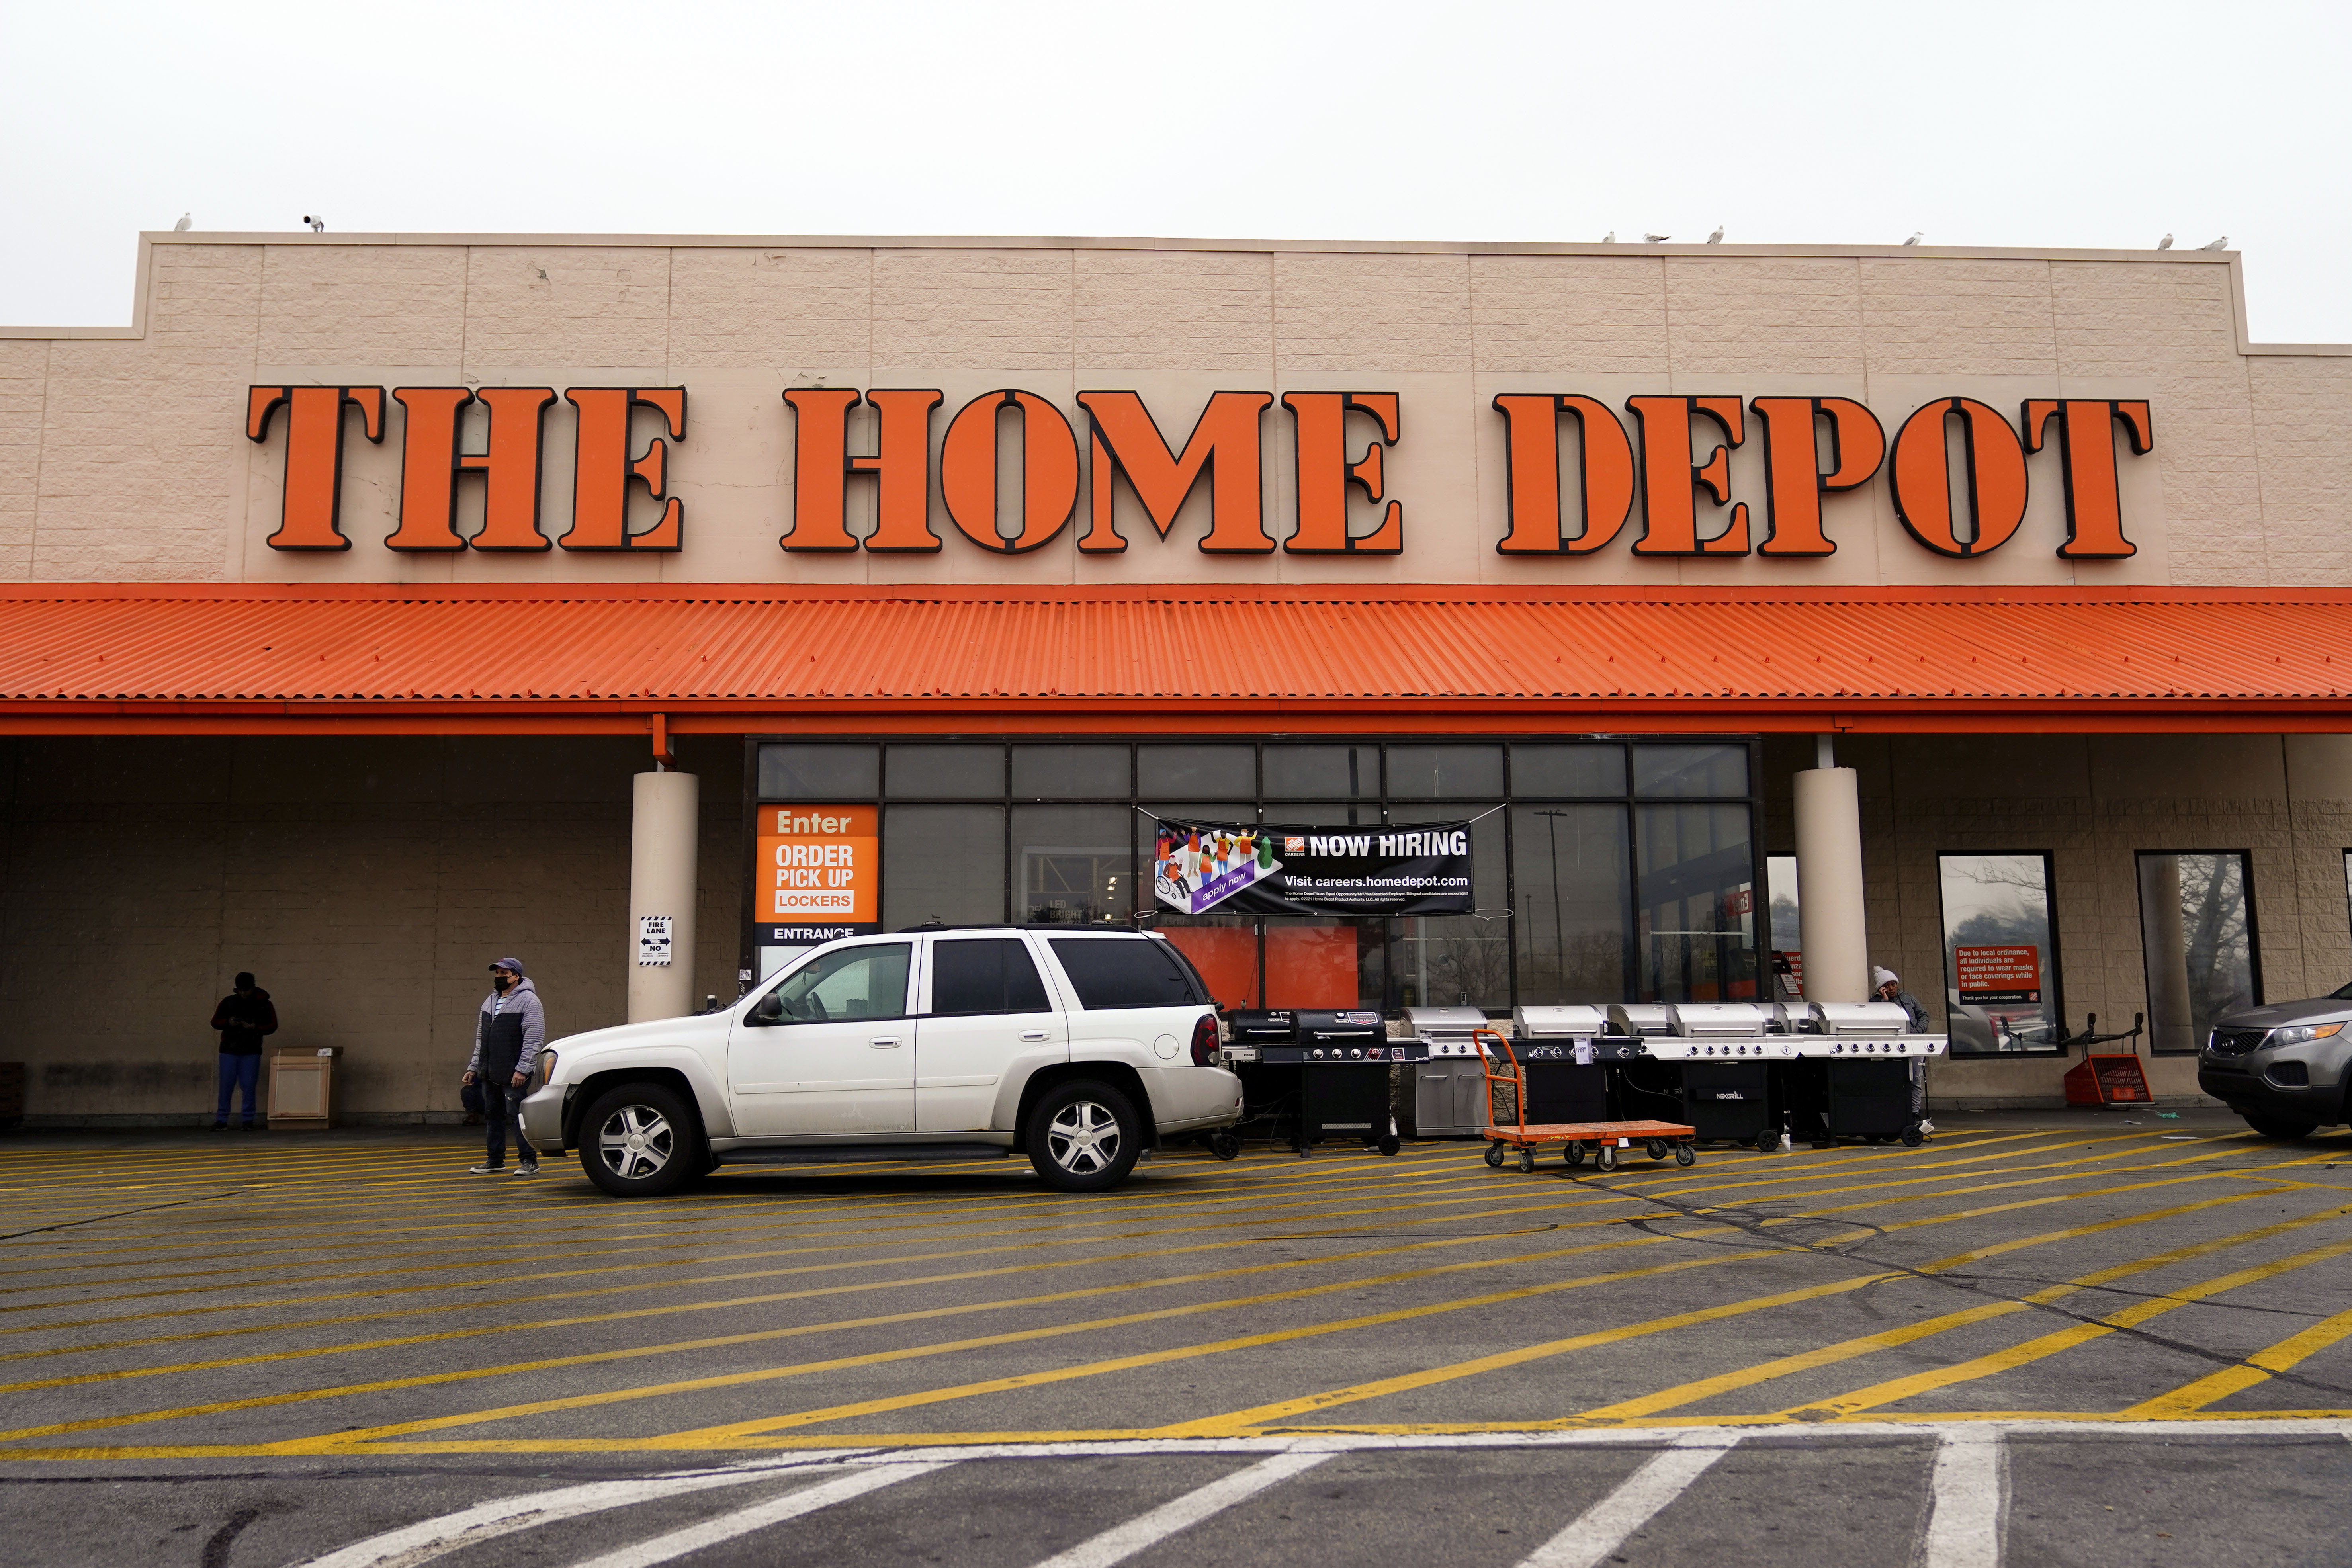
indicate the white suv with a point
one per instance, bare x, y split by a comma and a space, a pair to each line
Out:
1080, 1048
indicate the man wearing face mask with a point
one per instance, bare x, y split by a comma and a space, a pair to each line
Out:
508, 1035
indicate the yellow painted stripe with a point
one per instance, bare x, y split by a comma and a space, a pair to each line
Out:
2190, 1399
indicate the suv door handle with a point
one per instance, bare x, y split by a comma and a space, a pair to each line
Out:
885, 1043
1033, 1034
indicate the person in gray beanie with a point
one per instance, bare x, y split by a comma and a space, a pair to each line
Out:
509, 1034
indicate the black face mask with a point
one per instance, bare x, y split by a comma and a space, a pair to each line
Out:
499, 982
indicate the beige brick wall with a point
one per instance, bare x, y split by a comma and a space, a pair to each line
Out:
366, 883
121, 458
2093, 802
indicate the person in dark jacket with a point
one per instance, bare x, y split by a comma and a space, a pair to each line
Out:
509, 1034
243, 1016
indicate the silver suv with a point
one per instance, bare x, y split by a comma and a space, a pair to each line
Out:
2282, 1066
1079, 1049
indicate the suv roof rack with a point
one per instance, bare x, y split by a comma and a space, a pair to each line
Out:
1096, 927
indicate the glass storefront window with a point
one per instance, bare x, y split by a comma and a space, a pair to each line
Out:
2196, 940
1070, 865
820, 772
1070, 772
1571, 871
1224, 948
1439, 773
1785, 942
1345, 773
1671, 773
942, 863
2001, 969
1205, 773
1459, 961
945, 772
1323, 963
1694, 903
1573, 770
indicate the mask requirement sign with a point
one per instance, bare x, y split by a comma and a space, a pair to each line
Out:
1201, 868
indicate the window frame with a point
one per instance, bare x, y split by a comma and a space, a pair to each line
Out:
2054, 981
2245, 858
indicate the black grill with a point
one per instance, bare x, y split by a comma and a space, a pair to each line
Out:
2236, 1042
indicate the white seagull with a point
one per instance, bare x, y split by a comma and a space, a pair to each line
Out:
2220, 244
1609, 238
1717, 237
317, 225
1917, 236
2164, 244
1657, 238
181, 227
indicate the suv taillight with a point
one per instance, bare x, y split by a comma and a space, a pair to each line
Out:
1204, 1041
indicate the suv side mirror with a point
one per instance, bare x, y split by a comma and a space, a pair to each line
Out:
769, 1009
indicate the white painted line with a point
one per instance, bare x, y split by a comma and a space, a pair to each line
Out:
758, 1516
1600, 1530
1123, 1542
1964, 1522
422, 1542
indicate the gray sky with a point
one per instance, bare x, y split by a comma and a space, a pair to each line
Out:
1982, 123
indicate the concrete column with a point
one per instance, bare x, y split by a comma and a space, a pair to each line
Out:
2166, 931
664, 832
1829, 885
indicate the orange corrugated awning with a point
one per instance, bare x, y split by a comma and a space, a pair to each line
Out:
190, 658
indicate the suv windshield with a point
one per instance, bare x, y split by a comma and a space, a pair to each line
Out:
2343, 996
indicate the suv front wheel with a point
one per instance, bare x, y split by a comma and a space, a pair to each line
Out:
1084, 1136
641, 1139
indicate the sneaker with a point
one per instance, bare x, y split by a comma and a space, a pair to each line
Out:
527, 1168
486, 1171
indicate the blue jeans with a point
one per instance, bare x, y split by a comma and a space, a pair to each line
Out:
242, 1074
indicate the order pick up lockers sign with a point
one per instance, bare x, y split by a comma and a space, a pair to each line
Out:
1956, 468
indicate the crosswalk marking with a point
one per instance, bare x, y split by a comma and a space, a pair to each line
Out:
1965, 1524
760, 1515
1123, 1542
1600, 1530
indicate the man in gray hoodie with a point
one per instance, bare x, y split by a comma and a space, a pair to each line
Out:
509, 1034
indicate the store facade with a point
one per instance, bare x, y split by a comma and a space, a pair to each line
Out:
655, 608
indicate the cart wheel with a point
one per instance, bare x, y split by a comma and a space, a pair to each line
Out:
1686, 1156
1495, 1155
1574, 1156
1767, 1140
1299, 1150
1226, 1145
1657, 1148
1390, 1144
1527, 1162
1608, 1157
1913, 1138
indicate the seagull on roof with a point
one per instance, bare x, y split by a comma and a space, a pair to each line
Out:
181, 227
1657, 238
2164, 244
1609, 238
1917, 236
2220, 244
317, 225
1717, 237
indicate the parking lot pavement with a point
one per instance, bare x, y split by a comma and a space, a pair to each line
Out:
2117, 1338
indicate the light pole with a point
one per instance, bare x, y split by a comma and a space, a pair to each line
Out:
1559, 933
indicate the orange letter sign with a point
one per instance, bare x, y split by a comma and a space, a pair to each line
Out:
2087, 446
431, 462
314, 456
1669, 477
1794, 478
1923, 484
1224, 441
902, 465
1049, 471
1324, 473
1605, 477
602, 469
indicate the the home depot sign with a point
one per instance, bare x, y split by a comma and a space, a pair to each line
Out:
1956, 469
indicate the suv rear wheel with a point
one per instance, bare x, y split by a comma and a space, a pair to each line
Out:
2280, 1127
1084, 1136
641, 1139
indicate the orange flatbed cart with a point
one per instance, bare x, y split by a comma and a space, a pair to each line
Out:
1658, 1138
